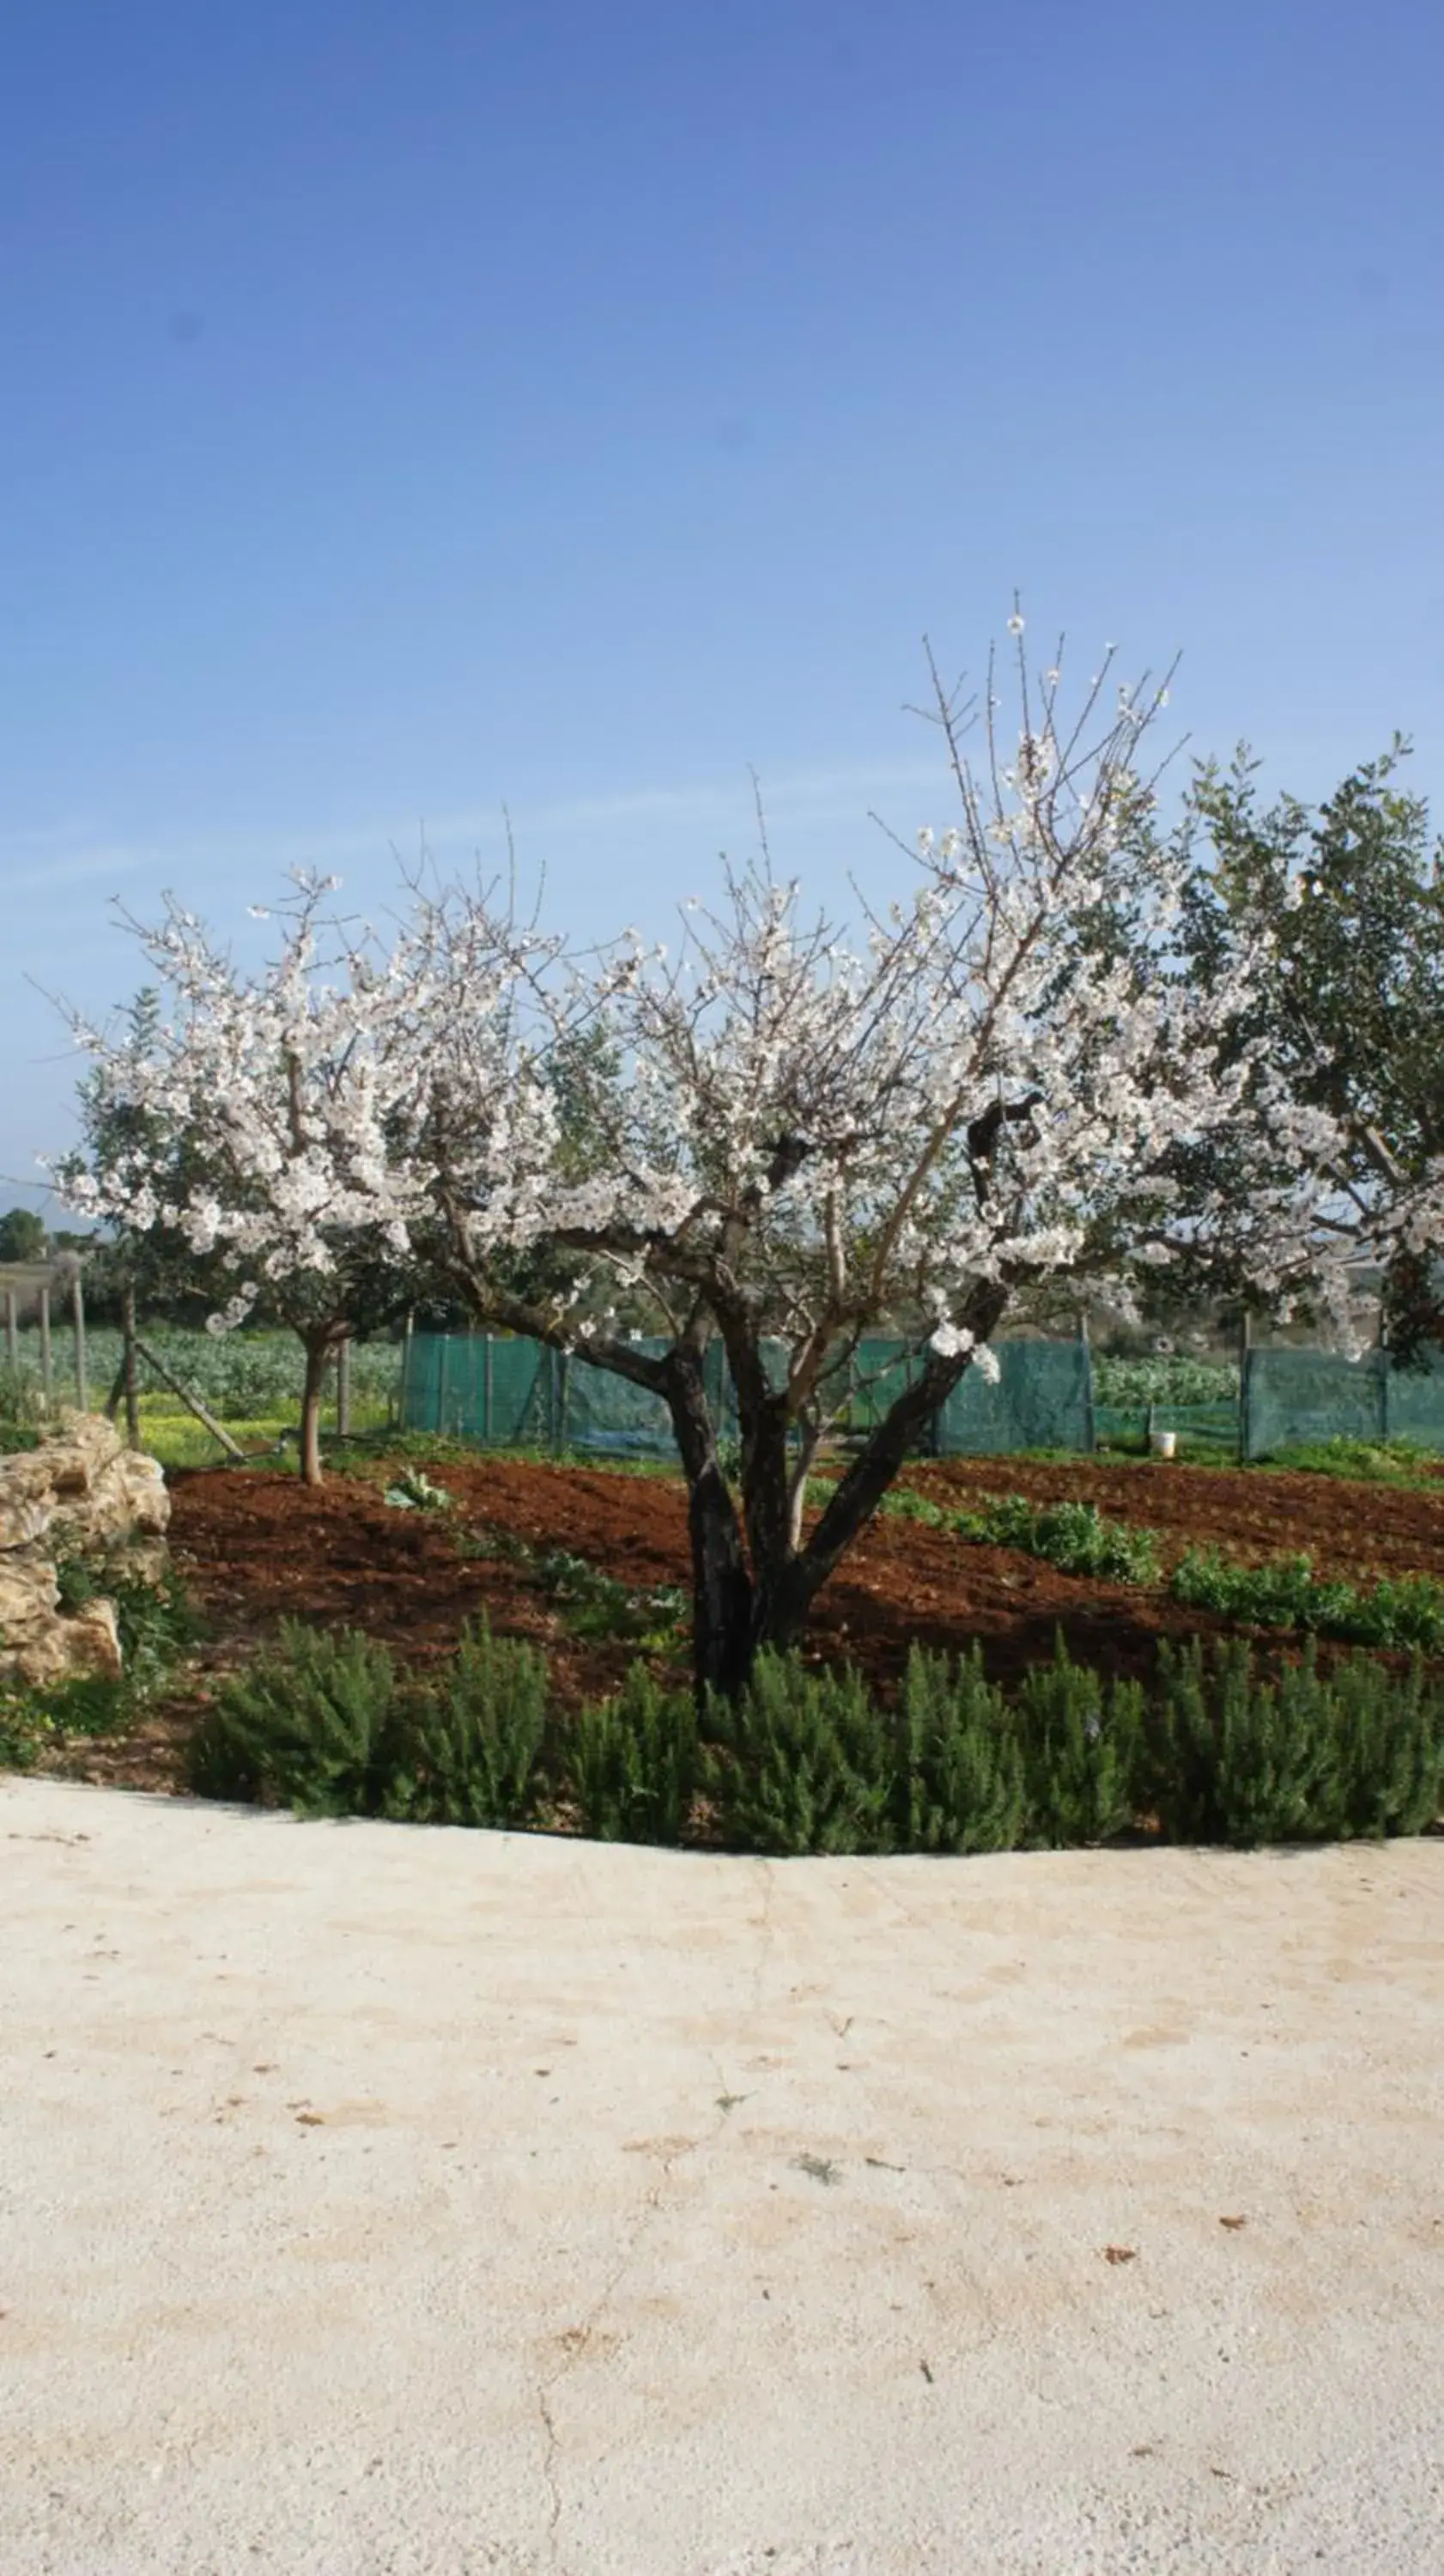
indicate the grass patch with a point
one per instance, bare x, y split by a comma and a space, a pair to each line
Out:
1372, 1462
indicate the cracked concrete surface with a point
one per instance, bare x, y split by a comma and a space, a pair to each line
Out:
377, 2201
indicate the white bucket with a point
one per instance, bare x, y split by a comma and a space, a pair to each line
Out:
1164, 1443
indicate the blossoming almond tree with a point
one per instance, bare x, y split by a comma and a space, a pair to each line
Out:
265, 1129
815, 1140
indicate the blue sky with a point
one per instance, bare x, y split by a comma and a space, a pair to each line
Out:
410, 411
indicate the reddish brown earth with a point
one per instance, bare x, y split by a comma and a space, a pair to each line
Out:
253, 1547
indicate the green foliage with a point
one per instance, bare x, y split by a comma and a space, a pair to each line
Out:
903, 1505
244, 1376
468, 1748
1360, 1752
807, 1762
596, 1605
961, 1760
800, 1763
414, 1491
22, 1235
20, 1412
633, 1762
1082, 1744
1374, 1462
1286, 1593
27, 1729
312, 1723
1340, 915
1168, 1378
156, 1625
1075, 1537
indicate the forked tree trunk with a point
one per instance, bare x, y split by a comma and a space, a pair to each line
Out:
747, 1599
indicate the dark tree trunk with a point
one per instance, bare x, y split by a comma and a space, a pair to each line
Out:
744, 1601
721, 1586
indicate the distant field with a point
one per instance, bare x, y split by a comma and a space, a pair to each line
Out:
250, 1381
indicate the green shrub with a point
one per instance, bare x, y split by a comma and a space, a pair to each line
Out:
1171, 1378
1082, 1747
801, 1762
1308, 1759
1075, 1537
1286, 1593
1375, 1462
470, 1743
1389, 1750
26, 1728
962, 1764
908, 1506
312, 1723
594, 1604
633, 1763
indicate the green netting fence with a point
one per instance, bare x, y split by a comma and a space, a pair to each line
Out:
507, 1393
1293, 1398
511, 1393
1214, 1428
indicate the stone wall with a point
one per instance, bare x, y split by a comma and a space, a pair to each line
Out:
82, 1492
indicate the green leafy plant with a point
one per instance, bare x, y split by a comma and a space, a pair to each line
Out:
594, 1604
961, 1767
414, 1492
1082, 1744
1286, 1593
633, 1762
468, 1747
27, 1729
800, 1763
1238, 1760
1166, 1378
1375, 1462
313, 1723
1073, 1536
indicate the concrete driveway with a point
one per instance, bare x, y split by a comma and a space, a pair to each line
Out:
374, 2198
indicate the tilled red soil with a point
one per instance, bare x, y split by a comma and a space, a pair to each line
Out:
254, 1547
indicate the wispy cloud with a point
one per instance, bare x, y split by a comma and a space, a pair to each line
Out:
61, 857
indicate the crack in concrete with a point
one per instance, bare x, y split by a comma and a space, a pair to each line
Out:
576, 2338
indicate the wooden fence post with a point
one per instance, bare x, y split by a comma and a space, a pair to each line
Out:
406, 1368
343, 1390
127, 1327
46, 1386
77, 1310
12, 1344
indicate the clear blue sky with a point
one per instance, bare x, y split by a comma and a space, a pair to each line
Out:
409, 410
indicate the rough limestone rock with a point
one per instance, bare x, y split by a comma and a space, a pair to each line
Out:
82, 1492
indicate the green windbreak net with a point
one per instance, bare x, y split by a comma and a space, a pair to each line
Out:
1213, 1427
1043, 1400
512, 1393
1295, 1397
1414, 1403
507, 1394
